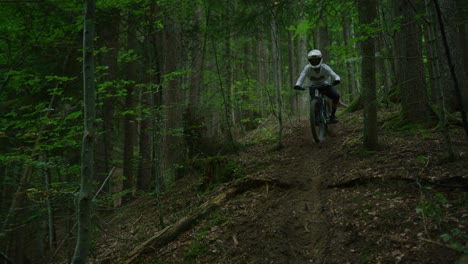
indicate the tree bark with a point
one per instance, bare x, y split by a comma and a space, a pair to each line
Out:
367, 14
130, 137
434, 73
452, 67
447, 18
277, 74
173, 148
292, 72
107, 29
145, 180
193, 120
321, 37
347, 33
414, 99
228, 106
85, 226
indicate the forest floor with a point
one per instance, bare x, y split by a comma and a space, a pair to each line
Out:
331, 202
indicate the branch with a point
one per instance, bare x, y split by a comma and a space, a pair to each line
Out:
173, 231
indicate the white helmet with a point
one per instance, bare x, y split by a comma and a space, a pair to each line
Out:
315, 58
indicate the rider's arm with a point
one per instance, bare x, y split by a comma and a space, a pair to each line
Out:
331, 73
305, 73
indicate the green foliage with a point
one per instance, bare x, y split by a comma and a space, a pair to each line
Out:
435, 206
196, 248
457, 239
216, 170
432, 206
265, 132
108, 200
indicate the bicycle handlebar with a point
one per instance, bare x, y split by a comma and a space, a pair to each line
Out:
318, 87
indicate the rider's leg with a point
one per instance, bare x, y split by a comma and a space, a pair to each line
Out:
335, 97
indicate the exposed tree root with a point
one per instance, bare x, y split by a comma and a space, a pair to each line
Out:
171, 232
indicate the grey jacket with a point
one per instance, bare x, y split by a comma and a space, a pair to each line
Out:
326, 75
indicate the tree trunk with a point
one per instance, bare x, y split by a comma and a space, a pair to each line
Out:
261, 72
228, 107
302, 50
351, 75
414, 99
146, 162
462, 14
434, 73
277, 74
448, 17
108, 31
292, 72
367, 15
50, 210
85, 226
386, 50
193, 121
129, 119
321, 38
174, 150
451, 65
145, 178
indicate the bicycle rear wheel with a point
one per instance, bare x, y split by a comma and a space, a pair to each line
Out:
317, 124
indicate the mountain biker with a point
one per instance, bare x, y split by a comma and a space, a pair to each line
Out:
320, 73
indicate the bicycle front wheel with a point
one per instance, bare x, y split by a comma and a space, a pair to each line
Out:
317, 124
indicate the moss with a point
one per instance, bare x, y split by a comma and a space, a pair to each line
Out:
355, 105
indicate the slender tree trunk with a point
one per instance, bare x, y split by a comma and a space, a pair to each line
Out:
462, 14
452, 67
349, 65
292, 72
129, 119
15, 242
108, 31
435, 80
146, 163
448, 17
386, 51
302, 50
50, 211
193, 121
228, 77
145, 178
261, 72
277, 75
85, 226
367, 14
433, 63
196, 78
174, 150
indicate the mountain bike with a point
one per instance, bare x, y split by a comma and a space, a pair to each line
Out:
320, 111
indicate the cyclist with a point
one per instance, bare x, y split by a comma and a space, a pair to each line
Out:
320, 73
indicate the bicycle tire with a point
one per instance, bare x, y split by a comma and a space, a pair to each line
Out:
327, 114
317, 124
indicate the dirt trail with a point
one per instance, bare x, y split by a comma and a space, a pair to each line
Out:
306, 228
288, 226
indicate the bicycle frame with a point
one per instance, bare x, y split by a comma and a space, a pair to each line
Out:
319, 111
